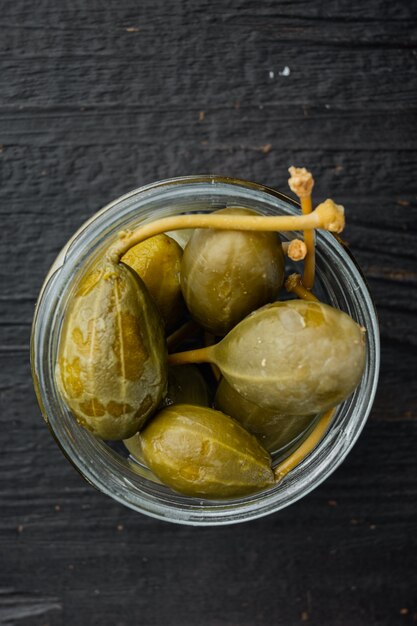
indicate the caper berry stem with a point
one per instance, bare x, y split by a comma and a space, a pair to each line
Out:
188, 329
326, 216
199, 355
308, 445
295, 249
294, 284
310, 259
301, 183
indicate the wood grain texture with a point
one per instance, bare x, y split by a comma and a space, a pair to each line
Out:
99, 98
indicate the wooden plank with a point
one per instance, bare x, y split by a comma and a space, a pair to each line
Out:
99, 98
290, 128
351, 529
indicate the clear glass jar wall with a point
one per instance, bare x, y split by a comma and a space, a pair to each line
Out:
339, 282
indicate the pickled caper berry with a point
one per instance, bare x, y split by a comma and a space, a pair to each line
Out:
294, 358
112, 356
158, 262
201, 452
227, 274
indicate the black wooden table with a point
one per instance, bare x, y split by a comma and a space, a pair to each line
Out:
98, 98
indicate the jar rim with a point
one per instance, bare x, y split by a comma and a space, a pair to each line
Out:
172, 507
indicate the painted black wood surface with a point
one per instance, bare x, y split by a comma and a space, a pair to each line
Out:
97, 98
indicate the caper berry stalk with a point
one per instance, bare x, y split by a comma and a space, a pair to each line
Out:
327, 216
294, 284
308, 445
220, 281
295, 249
301, 182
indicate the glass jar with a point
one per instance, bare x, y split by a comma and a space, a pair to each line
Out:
339, 282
